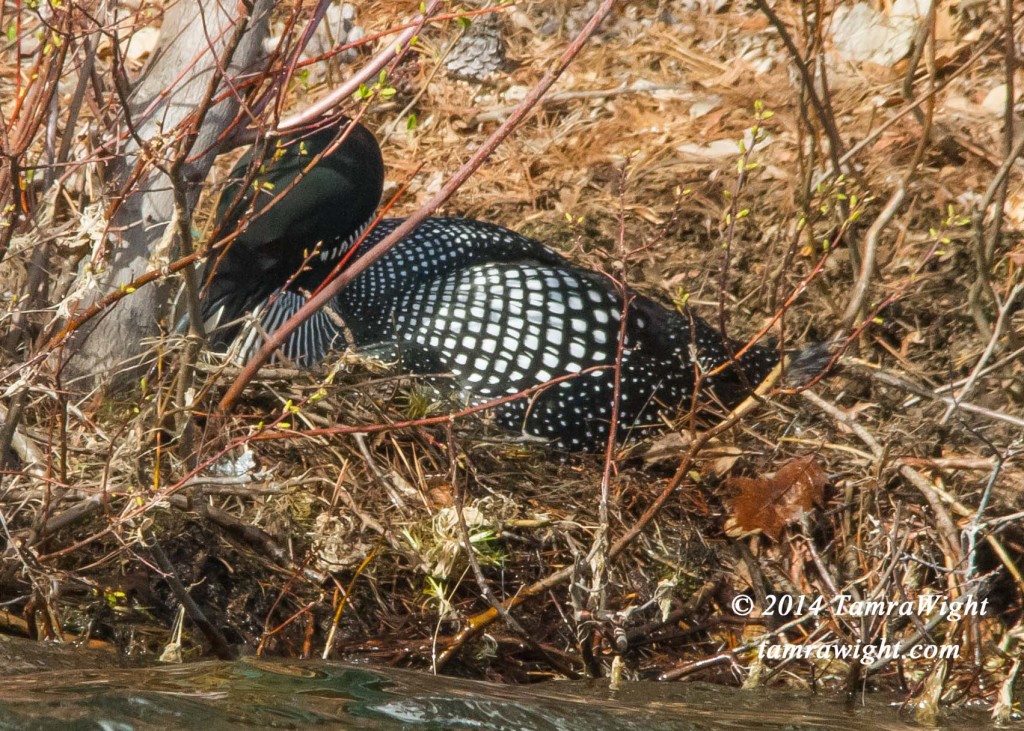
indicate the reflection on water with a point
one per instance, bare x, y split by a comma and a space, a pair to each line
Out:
295, 695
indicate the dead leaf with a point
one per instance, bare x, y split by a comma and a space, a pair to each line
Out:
721, 459
860, 33
717, 457
441, 496
995, 101
702, 107
1014, 208
139, 45
716, 149
769, 504
711, 121
669, 446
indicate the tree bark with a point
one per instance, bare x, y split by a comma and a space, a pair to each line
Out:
195, 38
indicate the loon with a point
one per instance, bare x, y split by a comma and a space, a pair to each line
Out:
476, 306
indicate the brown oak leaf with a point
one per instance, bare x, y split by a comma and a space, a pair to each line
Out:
769, 504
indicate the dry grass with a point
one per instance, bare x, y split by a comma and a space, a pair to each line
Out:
361, 532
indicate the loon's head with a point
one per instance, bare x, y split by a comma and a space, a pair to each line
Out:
285, 198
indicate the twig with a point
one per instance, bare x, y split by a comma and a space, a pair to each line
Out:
867, 259
931, 495
365, 74
220, 645
917, 51
76, 513
478, 573
637, 87
890, 379
1002, 709
731, 655
438, 64
825, 116
392, 491
1006, 311
985, 246
12, 438
867, 256
982, 253
1007, 359
257, 539
181, 221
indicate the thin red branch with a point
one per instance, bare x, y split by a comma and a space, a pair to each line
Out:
365, 74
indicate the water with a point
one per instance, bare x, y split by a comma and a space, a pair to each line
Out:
298, 695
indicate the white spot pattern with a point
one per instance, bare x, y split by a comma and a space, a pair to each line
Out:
503, 313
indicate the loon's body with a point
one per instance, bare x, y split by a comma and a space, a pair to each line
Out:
493, 314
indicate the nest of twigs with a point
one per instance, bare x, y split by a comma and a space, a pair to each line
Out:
339, 512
